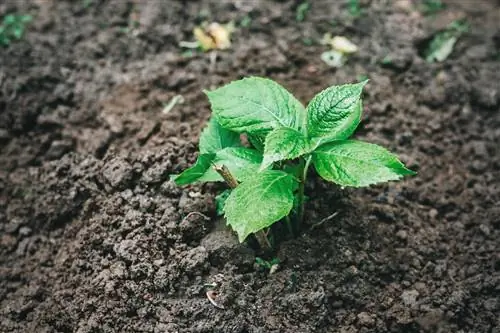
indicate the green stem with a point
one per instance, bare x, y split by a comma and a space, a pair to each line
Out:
302, 185
262, 239
289, 226
233, 183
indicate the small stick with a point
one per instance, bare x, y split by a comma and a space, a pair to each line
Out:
233, 183
226, 175
262, 239
314, 226
212, 295
206, 218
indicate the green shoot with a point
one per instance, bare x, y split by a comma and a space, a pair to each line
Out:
354, 8
430, 7
268, 178
245, 21
387, 60
13, 27
301, 12
362, 77
267, 264
220, 201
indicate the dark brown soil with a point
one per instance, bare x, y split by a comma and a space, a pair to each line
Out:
95, 238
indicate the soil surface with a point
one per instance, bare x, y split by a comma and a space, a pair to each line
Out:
94, 237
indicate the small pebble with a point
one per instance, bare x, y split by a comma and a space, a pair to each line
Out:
365, 319
433, 213
402, 234
409, 297
24, 231
485, 229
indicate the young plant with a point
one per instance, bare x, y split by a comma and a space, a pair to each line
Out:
268, 175
301, 11
13, 27
354, 8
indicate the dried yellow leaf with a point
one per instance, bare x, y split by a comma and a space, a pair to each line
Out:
344, 45
213, 36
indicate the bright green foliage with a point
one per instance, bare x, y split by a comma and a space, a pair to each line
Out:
255, 104
259, 202
13, 27
354, 8
195, 172
357, 163
286, 138
220, 201
257, 139
266, 264
334, 113
214, 138
284, 144
241, 162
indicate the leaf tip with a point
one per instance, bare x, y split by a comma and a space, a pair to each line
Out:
242, 237
408, 172
177, 181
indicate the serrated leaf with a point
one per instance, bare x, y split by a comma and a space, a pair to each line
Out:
241, 162
334, 113
255, 104
194, 173
214, 138
260, 201
284, 144
357, 163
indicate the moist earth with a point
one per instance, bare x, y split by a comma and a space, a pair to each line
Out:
94, 237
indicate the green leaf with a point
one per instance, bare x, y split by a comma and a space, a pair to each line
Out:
191, 175
255, 104
334, 113
296, 169
260, 201
214, 138
241, 162
301, 11
220, 201
284, 144
441, 45
257, 140
357, 163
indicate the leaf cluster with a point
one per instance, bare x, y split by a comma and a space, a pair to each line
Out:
285, 137
13, 27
